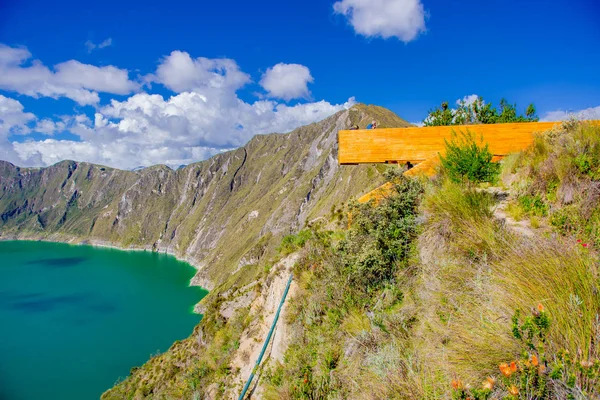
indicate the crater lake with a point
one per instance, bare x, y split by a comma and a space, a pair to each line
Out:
74, 319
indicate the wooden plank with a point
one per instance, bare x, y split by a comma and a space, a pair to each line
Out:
419, 144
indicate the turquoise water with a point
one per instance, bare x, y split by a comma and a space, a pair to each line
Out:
74, 319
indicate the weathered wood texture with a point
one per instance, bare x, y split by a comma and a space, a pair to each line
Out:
419, 144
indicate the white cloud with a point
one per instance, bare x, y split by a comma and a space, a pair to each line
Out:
49, 127
203, 118
468, 100
13, 121
149, 129
403, 19
287, 81
91, 46
72, 79
560, 115
180, 73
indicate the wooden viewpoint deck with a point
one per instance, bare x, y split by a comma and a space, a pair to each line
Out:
419, 144
422, 146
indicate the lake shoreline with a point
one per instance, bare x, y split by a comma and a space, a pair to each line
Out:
197, 279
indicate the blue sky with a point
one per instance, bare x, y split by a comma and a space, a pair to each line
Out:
137, 83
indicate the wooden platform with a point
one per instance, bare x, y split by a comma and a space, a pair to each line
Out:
419, 144
423, 146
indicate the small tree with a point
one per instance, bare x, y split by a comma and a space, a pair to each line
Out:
478, 112
466, 160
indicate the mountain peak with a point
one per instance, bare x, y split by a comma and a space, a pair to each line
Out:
363, 114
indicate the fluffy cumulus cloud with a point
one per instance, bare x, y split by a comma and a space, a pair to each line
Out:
147, 129
403, 19
205, 116
560, 115
180, 72
13, 121
72, 79
287, 81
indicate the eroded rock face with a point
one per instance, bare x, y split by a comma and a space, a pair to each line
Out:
212, 213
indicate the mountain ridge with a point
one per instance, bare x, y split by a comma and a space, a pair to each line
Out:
219, 214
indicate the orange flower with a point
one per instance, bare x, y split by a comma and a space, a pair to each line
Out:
534, 360
513, 367
540, 307
457, 384
489, 383
513, 390
505, 369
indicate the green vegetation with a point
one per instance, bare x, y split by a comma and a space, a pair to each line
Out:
435, 320
349, 286
190, 366
534, 375
416, 299
466, 160
478, 112
558, 180
291, 243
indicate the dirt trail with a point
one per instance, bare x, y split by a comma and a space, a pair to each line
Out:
263, 309
522, 227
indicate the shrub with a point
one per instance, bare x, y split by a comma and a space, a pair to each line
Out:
291, 243
559, 177
478, 112
533, 205
466, 160
380, 237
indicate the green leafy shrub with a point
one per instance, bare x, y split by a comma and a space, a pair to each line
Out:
558, 178
479, 112
291, 243
466, 160
533, 205
380, 237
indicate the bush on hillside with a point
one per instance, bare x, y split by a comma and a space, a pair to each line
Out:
293, 242
340, 279
380, 237
466, 160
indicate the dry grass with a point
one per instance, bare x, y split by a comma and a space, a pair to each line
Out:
458, 297
476, 273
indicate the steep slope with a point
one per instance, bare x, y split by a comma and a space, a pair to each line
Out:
221, 214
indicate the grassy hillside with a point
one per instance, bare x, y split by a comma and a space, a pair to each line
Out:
436, 295
442, 290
